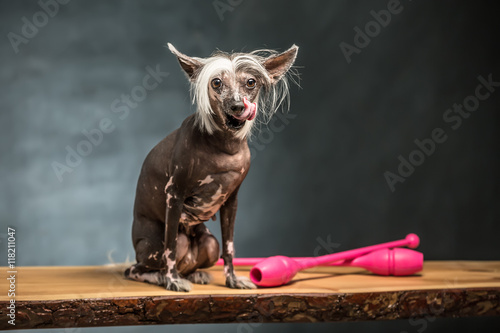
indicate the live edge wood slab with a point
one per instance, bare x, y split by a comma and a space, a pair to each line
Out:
61, 297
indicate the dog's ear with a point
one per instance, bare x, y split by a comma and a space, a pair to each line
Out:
190, 65
277, 65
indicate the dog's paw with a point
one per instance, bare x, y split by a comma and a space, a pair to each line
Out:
239, 282
200, 277
153, 277
177, 284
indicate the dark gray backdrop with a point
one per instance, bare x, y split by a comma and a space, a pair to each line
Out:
317, 180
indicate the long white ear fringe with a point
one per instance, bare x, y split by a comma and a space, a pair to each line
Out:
212, 67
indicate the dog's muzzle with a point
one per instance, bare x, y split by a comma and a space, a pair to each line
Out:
241, 112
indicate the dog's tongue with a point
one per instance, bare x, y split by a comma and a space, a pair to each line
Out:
249, 112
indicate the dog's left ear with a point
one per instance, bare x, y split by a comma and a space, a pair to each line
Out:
277, 65
190, 65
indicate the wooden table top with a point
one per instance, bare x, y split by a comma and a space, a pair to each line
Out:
63, 296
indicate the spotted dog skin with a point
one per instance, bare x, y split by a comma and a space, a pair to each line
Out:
191, 175
191, 187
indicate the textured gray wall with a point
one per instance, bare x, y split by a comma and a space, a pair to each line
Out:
317, 180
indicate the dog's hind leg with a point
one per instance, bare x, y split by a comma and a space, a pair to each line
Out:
207, 247
200, 251
148, 264
148, 245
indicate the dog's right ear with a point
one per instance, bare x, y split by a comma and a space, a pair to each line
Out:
190, 65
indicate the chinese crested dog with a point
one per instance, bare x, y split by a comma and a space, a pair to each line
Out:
196, 170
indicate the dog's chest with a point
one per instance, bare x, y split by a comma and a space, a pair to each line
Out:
208, 195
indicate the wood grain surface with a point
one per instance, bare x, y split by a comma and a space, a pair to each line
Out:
57, 297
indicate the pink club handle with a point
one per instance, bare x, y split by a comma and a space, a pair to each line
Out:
411, 240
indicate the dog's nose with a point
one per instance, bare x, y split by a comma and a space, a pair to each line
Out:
238, 107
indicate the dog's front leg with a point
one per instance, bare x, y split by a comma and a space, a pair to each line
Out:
228, 215
173, 213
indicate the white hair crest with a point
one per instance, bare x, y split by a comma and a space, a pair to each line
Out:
271, 96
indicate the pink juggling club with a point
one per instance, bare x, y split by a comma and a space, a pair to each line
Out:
397, 262
279, 270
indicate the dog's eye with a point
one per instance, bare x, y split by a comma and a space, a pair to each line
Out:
216, 83
251, 83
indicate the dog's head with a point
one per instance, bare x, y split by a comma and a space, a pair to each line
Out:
229, 89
